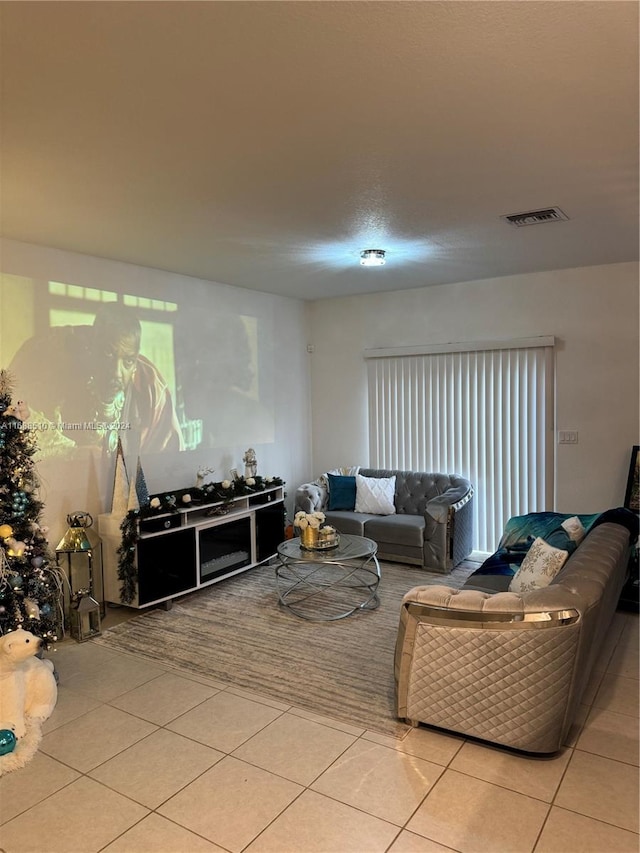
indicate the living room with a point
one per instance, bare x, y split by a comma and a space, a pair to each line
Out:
311, 313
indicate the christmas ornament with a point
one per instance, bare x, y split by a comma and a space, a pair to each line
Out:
7, 741
16, 548
6, 531
31, 609
36, 562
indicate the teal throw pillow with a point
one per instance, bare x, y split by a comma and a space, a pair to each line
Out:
342, 492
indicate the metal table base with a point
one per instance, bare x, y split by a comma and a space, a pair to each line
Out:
324, 586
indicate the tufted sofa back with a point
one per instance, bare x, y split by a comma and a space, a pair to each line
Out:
414, 489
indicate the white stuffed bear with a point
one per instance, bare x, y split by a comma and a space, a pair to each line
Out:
28, 687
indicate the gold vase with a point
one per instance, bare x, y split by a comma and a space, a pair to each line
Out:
309, 538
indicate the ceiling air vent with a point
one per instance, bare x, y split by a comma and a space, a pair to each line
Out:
536, 217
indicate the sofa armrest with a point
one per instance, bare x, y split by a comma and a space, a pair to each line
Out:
496, 667
449, 527
310, 497
454, 498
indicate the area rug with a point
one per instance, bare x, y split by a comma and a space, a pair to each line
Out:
236, 632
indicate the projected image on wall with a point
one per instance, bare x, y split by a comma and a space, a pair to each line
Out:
96, 366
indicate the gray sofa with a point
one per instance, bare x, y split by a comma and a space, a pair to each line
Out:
506, 667
432, 526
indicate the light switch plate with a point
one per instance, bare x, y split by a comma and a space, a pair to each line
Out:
568, 436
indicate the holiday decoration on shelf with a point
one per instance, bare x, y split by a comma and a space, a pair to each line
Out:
250, 463
219, 495
120, 484
201, 475
30, 581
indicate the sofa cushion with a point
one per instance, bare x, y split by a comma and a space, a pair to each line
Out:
375, 495
488, 583
399, 530
342, 492
348, 522
540, 566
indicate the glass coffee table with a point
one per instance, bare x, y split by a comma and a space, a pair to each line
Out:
326, 585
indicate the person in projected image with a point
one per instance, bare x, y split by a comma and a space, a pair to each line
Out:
92, 384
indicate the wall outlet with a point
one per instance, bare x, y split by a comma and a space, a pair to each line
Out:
568, 436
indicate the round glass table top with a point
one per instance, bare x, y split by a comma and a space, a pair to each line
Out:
349, 548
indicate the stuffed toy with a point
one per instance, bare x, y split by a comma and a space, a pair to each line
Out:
28, 689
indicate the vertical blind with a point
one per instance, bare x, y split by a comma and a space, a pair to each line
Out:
484, 411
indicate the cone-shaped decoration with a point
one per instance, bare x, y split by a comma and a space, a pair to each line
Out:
132, 502
120, 485
141, 486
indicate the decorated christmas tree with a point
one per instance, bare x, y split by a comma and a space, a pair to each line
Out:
30, 582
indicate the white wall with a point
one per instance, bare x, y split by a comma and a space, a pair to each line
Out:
592, 312
87, 483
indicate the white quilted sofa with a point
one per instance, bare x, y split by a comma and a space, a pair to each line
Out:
506, 667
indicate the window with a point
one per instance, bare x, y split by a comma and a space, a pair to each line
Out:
482, 410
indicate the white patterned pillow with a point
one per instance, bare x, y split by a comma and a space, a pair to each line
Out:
375, 495
540, 566
575, 528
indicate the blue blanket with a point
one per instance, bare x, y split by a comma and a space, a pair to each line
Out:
520, 533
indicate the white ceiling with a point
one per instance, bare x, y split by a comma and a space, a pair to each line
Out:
265, 144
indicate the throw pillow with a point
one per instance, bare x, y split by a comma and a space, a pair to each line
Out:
575, 528
540, 566
342, 492
343, 471
375, 495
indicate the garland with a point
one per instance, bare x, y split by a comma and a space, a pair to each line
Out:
223, 493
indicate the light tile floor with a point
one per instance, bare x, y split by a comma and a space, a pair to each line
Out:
137, 758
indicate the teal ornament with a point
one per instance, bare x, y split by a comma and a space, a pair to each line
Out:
16, 582
45, 609
7, 741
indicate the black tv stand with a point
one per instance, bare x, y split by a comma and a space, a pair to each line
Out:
178, 553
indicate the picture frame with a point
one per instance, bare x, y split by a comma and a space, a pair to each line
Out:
632, 494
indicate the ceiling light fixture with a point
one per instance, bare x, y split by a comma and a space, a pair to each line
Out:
372, 257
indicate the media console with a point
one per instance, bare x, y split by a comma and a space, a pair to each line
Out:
196, 546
